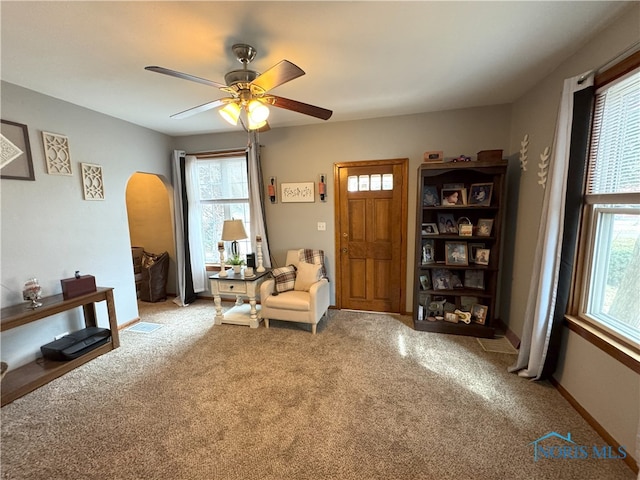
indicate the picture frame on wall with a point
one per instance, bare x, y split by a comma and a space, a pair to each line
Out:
16, 162
300, 192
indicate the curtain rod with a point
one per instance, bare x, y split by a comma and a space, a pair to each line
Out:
218, 153
631, 49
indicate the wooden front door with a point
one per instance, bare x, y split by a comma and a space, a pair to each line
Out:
371, 235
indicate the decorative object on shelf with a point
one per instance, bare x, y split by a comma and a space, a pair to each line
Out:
454, 197
271, 189
447, 224
223, 271
433, 157
441, 279
524, 146
232, 231
484, 227
480, 194
322, 187
544, 167
428, 253
425, 281
450, 317
15, 152
260, 267
473, 247
490, 155
56, 150
301, 192
33, 292
465, 227
464, 317
430, 196
251, 263
474, 279
456, 254
78, 285
429, 229
479, 313
461, 158
92, 182
482, 256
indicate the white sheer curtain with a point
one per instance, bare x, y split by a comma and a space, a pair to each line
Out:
256, 197
196, 249
542, 291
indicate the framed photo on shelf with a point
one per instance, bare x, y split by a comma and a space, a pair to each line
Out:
447, 224
474, 279
467, 302
480, 194
425, 281
441, 279
428, 252
484, 227
430, 229
454, 196
482, 256
479, 313
473, 248
456, 253
430, 197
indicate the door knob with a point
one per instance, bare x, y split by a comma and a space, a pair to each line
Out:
345, 250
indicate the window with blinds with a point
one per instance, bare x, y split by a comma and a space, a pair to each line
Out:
611, 291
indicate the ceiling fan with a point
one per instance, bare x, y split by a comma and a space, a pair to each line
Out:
249, 91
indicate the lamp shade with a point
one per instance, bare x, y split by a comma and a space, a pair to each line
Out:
233, 230
230, 112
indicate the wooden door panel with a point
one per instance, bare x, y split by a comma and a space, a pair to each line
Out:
371, 237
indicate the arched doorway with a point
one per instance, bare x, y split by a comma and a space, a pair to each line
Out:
150, 219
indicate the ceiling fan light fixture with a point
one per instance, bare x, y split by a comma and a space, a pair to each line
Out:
258, 112
230, 112
256, 125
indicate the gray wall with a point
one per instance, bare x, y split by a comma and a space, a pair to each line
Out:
301, 154
49, 231
608, 390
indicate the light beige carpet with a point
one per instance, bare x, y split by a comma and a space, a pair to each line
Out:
366, 398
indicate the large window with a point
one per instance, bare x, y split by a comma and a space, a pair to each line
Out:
224, 194
610, 296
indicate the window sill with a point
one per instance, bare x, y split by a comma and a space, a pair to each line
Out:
621, 351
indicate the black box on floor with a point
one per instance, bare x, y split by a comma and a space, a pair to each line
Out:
76, 344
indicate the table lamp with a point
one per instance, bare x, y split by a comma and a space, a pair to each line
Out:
232, 231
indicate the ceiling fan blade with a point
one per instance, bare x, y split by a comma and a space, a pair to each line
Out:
199, 109
300, 107
185, 76
280, 73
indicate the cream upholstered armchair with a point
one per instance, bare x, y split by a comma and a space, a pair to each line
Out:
298, 292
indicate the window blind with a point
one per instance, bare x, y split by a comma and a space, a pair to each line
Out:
614, 159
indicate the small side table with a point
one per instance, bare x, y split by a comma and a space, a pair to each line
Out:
240, 286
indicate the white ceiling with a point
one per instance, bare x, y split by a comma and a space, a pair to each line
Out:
362, 59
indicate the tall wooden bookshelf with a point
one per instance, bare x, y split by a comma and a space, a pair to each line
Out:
457, 256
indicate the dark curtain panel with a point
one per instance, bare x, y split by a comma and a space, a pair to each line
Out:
579, 148
189, 294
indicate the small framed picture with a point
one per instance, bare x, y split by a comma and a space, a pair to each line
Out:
479, 313
467, 302
474, 279
454, 197
425, 281
433, 156
441, 279
480, 194
473, 247
428, 252
430, 229
447, 224
484, 227
456, 253
430, 196
482, 256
